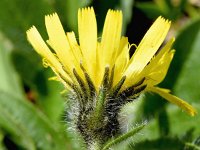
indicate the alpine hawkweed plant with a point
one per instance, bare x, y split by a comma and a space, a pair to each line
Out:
100, 76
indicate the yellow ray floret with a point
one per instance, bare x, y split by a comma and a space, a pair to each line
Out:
173, 99
59, 42
158, 67
87, 29
147, 47
40, 46
111, 37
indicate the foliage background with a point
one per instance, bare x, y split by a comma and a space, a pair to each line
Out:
32, 108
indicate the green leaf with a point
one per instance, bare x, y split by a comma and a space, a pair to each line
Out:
18, 15
188, 82
183, 77
187, 85
32, 124
184, 48
9, 79
167, 8
150, 9
50, 98
16, 130
191, 146
27, 64
159, 144
126, 7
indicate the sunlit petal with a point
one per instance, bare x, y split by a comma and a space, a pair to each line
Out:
87, 28
58, 41
40, 46
111, 37
173, 99
148, 47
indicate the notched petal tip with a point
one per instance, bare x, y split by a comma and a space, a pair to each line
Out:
85, 9
31, 31
114, 11
164, 20
53, 15
35, 38
85, 12
50, 18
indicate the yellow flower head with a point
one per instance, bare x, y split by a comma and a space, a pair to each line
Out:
93, 65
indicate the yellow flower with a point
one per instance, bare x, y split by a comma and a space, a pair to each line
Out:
88, 62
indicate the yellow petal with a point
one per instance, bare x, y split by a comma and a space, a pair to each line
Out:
74, 46
154, 62
157, 69
122, 60
59, 42
111, 37
159, 72
99, 68
40, 46
123, 45
173, 99
87, 29
76, 51
148, 47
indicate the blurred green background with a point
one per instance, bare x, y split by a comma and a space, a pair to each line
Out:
33, 111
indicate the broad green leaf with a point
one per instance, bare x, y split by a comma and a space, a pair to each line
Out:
9, 79
27, 64
150, 9
167, 8
35, 76
50, 99
32, 123
17, 131
183, 45
172, 142
17, 16
187, 84
11, 84
184, 48
181, 122
188, 81
191, 146
126, 7
159, 144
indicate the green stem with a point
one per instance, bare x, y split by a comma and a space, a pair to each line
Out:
123, 137
192, 146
